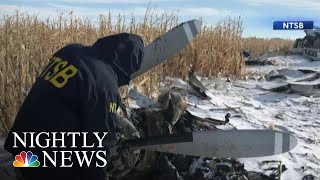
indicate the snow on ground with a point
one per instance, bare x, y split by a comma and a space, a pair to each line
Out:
292, 62
253, 108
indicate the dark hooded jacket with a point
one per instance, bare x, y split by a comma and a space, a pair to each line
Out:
79, 91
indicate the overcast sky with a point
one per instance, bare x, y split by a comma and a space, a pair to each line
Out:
256, 14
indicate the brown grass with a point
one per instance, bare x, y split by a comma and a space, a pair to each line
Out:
26, 45
259, 46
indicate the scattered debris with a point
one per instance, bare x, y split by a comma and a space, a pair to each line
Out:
196, 85
275, 168
293, 81
211, 121
260, 62
308, 177
246, 54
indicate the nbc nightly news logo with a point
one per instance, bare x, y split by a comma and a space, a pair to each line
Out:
292, 25
26, 160
84, 158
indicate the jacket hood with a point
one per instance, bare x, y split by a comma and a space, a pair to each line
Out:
124, 52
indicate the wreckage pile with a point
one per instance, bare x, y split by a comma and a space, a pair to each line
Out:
309, 45
301, 78
304, 82
243, 104
169, 115
309, 41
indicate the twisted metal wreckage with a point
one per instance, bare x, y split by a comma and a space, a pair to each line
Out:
309, 45
170, 116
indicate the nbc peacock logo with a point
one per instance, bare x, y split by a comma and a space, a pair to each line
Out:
26, 160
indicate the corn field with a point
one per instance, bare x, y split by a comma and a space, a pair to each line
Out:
259, 46
27, 43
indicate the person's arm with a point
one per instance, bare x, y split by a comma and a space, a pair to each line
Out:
99, 102
99, 106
